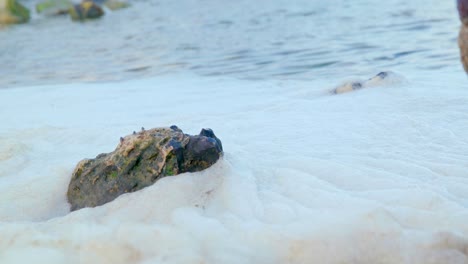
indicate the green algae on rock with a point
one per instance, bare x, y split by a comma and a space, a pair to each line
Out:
111, 4
54, 7
115, 4
86, 10
138, 161
12, 12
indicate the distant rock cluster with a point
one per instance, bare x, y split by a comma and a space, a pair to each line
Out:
12, 12
139, 160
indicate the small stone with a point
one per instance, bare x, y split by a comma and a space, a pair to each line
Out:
384, 78
348, 87
86, 10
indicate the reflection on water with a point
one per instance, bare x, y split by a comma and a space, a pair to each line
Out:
300, 39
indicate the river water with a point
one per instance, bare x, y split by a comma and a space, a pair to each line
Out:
373, 176
267, 40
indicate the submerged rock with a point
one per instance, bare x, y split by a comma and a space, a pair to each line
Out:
381, 79
115, 4
86, 10
138, 161
348, 87
54, 7
12, 12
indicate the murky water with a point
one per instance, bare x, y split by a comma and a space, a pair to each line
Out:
300, 39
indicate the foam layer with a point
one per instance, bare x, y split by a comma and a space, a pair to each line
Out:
374, 176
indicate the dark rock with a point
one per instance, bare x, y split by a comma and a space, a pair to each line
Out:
86, 10
207, 132
463, 35
462, 6
382, 75
173, 127
138, 161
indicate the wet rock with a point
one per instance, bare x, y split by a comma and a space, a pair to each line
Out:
463, 35
140, 160
348, 87
115, 5
111, 4
86, 10
381, 79
463, 46
12, 12
54, 7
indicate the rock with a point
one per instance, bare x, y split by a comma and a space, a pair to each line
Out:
86, 10
348, 87
462, 6
12, 12
381, 79
115, 5
54, 7
463, 46
111, 4
139, 160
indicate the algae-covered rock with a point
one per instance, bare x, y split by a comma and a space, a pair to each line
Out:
54, 7
111, 4
12, 12
115, 5
86, 10
138, 161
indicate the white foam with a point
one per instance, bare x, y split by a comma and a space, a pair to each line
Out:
378, 176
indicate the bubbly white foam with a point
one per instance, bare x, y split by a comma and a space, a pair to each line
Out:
378, 176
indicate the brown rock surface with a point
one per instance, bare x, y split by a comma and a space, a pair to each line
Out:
138, 161
462, 6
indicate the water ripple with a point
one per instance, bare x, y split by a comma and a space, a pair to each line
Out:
304, 39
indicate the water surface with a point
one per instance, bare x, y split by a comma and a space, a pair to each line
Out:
298, 39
